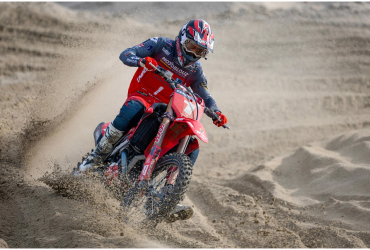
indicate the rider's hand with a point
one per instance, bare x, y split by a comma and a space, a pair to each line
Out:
147, 61
221, 121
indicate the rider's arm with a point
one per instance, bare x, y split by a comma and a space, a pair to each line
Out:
199, 86
132, 56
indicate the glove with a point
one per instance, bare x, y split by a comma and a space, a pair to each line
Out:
146, 61
221, 121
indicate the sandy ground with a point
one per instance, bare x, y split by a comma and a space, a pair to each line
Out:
293, 80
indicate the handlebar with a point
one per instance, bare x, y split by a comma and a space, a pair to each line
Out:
214, 116
167, 75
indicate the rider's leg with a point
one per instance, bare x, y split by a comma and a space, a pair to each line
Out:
129, 115
194, 155
127, 118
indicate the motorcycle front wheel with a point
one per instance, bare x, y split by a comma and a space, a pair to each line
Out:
151, 205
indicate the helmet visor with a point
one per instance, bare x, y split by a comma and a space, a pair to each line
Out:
192, 48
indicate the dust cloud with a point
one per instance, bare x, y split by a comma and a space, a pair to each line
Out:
293, 80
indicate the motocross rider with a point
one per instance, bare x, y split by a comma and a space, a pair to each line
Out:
180, 56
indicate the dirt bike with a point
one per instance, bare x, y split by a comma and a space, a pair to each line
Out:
150, 164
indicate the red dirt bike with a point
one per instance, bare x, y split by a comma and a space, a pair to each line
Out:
150, 163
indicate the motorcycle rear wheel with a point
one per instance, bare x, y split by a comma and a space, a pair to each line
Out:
157, 202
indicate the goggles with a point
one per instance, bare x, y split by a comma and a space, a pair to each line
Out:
191, 47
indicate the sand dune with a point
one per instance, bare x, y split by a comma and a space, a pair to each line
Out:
332, 173
292, 78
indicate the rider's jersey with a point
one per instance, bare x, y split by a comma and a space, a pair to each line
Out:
150, 88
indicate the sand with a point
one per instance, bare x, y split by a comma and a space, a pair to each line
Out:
293, 80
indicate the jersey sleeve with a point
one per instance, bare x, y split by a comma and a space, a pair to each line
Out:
132, 56
199, 86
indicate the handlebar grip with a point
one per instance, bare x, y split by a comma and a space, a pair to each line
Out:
225, 126
151, 64
214, 116
142, 62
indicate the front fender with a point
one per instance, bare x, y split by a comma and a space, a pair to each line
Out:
180, 128
196, 127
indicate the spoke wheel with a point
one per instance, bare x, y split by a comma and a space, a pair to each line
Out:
149, 205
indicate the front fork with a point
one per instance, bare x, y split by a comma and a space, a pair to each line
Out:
152, 158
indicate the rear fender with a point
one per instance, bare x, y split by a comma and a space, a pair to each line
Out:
104, 127
98, 133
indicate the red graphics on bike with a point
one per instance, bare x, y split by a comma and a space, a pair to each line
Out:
180, 128
150, 162
152, 88
196, 128
111, 173
184, 105
160, 131
105, 126
185, 124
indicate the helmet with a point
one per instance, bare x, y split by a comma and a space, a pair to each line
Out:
194, 41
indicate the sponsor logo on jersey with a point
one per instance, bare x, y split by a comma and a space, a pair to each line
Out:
149, 47
167, 48
194, 67
130, 60
166, 51
154, 39
168, 42
172, 65
203, 84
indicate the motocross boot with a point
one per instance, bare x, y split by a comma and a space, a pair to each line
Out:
103, 149
180, 212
